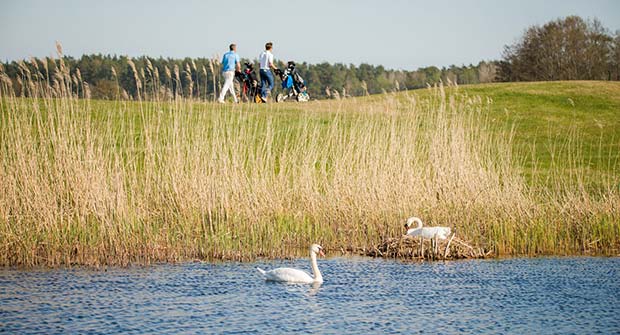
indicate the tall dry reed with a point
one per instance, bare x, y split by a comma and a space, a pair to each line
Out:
91, 182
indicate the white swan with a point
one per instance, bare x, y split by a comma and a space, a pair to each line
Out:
291, 275
441, 233
434, 233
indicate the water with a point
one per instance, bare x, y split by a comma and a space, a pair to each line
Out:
360, 295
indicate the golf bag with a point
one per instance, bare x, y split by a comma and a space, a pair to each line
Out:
292, 84
249, 84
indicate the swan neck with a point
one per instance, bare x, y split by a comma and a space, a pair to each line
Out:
419, 222
315, 268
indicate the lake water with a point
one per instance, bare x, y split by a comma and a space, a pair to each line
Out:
359, 295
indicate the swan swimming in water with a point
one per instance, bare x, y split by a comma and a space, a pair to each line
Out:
291, 275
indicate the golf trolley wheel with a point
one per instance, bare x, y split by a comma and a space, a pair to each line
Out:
303, 97
279, 97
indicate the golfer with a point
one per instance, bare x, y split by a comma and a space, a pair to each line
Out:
230, 63
266, 77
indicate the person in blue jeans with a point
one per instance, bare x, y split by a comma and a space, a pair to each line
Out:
266, 76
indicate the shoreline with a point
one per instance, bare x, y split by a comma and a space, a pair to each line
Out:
334, 253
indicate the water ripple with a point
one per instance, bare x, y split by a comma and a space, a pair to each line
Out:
359, 296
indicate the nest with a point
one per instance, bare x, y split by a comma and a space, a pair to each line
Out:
407, 247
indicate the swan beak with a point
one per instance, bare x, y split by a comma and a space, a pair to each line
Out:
321, 253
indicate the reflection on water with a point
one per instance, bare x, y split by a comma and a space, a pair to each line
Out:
359, 295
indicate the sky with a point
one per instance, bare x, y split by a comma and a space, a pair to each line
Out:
397, 34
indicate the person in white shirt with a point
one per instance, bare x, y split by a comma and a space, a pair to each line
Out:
266, 76
230, 63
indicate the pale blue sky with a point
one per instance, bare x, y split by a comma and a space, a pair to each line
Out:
398, 34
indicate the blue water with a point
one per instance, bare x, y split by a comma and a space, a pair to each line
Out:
359, 295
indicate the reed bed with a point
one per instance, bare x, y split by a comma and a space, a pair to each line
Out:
115, 183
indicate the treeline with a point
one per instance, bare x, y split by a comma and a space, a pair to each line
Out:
114, 77
565, 49
338, 80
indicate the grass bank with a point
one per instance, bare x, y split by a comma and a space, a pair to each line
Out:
116, 182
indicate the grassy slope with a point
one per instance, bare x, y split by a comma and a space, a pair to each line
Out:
548, 115
567, 126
